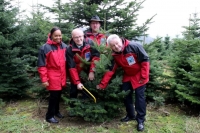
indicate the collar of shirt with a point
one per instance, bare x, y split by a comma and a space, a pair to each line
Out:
79, 46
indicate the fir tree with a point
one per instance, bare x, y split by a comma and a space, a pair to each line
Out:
158, 84
61, 17
193, 30
36, 27
122, 21
117, 15
184, 64
108, 102
14, 79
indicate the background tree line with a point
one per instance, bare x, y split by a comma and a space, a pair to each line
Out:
175, 65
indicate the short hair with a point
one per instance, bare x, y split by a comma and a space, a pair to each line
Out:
77, 30
111, 37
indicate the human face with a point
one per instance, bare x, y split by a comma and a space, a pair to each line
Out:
78, 37
57, 36
116, 44
95, 26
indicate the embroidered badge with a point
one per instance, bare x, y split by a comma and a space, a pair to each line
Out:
130, 60
87, 56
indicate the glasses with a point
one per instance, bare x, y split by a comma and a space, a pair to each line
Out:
77, 37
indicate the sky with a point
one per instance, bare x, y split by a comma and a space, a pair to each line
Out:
171, 15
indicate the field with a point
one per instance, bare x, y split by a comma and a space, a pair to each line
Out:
27, 116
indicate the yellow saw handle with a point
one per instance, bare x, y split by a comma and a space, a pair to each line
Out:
89, 93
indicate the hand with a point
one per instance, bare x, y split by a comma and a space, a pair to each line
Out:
91, 76
98, 87
45, 84
141, 81
79, 86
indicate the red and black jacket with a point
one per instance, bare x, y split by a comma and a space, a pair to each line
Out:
74, 63
99, 38
135, 63
52, 64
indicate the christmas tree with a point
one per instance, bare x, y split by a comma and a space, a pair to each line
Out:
14, 79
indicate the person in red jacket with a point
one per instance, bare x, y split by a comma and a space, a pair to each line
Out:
93, 32
134, 61
52, 71
79, 45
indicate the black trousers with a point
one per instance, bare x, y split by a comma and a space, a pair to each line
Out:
140, 103
54, 100
74, 93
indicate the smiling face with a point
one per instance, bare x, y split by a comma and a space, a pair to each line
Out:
78, 36
57, 36
95, 26
116, 44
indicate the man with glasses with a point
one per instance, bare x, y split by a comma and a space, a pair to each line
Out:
94, 33
80, 46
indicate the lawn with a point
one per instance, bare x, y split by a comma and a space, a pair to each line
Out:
27, 116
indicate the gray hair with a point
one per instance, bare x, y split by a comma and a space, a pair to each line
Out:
76, 30
111, 37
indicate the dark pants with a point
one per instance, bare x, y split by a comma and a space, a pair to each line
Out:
74, 93
140, 103
54, 101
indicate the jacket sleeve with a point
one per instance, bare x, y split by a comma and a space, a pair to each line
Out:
95, 57
143, 59
108, 75
71, 65
41, 63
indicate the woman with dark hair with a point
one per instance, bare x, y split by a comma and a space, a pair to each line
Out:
52, 70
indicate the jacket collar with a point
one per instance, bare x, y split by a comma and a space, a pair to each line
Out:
51, 42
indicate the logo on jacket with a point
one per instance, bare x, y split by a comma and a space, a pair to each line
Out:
87, 56
130, 60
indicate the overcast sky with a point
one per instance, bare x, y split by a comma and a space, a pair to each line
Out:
171, 14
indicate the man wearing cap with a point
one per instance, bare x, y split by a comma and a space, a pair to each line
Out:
93, 32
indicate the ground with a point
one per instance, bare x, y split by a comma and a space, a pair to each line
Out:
28, 116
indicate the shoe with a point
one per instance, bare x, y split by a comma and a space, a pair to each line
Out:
59, 115
52, 120
140, 127
125, 119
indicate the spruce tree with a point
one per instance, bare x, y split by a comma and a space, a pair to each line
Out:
14, 79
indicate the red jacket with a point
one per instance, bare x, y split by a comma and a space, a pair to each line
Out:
135, 63
52, 64
99, 38
74, 63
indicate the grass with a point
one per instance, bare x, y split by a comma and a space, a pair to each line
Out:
24, 117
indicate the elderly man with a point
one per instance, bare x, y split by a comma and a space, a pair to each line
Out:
81, 46
135, 62
93, 32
